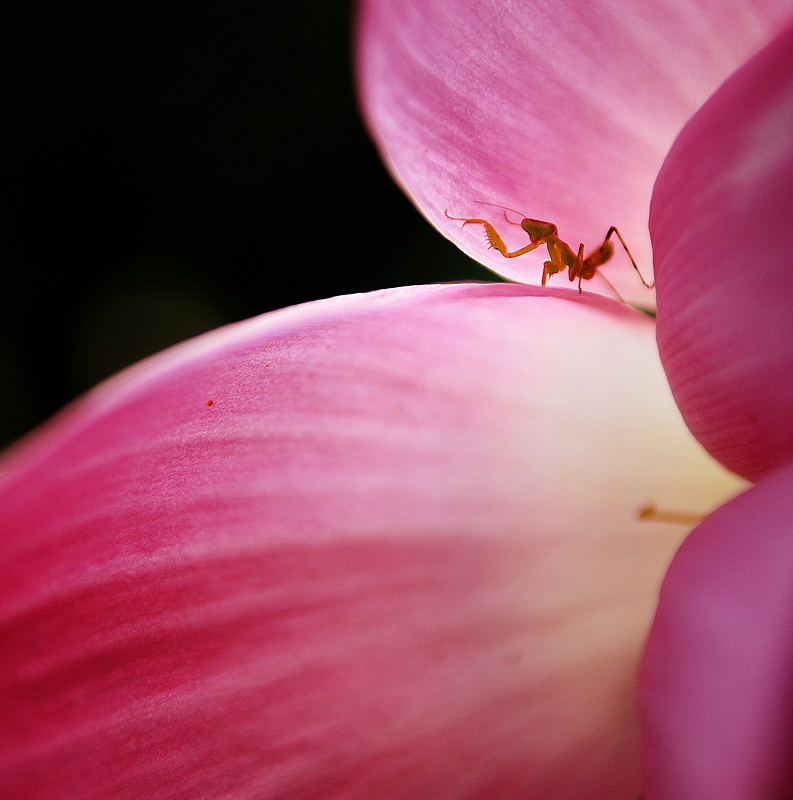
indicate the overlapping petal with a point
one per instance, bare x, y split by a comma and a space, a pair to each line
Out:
722, 225
717, 677
717, 688
377, 546
561, 110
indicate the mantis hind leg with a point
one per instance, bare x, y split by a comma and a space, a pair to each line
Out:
611, 230
610, 285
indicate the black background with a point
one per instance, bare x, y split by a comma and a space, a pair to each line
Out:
170, 168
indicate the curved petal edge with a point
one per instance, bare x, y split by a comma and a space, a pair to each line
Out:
722, 235
717, 674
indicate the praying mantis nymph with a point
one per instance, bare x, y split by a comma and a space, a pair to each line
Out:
561, 255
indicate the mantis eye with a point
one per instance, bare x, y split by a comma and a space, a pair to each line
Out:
537, 229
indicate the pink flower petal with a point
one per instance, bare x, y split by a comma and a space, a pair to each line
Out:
377, 546
722, 227
563, 111
717, 677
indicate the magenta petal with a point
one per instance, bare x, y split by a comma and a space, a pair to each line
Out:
563, 111
717, 676
722, 225
381, 546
